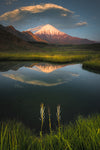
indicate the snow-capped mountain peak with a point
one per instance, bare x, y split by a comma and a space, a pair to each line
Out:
49, 30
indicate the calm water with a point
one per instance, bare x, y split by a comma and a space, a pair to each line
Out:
25, 85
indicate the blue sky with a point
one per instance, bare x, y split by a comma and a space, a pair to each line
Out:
80, 18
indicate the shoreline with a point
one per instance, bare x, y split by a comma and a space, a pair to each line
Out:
85, 64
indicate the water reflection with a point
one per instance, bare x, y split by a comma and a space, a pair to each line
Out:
41, 74
25, 85
46, 68
13, 65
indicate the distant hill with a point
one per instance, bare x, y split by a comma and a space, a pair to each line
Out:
54, 36
9, 40
25, 35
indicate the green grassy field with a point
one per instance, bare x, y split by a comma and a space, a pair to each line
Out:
83, 134
89, 55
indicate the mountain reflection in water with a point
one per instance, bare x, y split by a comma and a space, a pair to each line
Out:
41, 74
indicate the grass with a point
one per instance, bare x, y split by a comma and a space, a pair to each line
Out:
43, 57
89, 55
83, 134
93, 64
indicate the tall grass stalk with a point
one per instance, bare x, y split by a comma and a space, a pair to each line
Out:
42, 115
49, 120
58, 117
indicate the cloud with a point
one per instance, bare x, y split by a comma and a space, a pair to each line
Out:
32, 16
63, 14
35, 29
44, 7
29, 10
9, 2
80, 24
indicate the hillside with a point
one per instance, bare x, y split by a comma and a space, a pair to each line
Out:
10, 41
25, 35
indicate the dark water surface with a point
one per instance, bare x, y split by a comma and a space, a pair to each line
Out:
25, 85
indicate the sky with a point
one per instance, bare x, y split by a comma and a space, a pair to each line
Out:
79, 18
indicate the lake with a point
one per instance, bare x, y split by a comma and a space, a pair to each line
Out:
25, 85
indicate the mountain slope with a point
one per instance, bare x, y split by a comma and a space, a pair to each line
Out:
54, 36
9, 41
25, 35
31, 37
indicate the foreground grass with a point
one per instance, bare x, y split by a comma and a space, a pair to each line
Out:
83, 134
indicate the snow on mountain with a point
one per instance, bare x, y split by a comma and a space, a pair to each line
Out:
49, 30
54, 36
